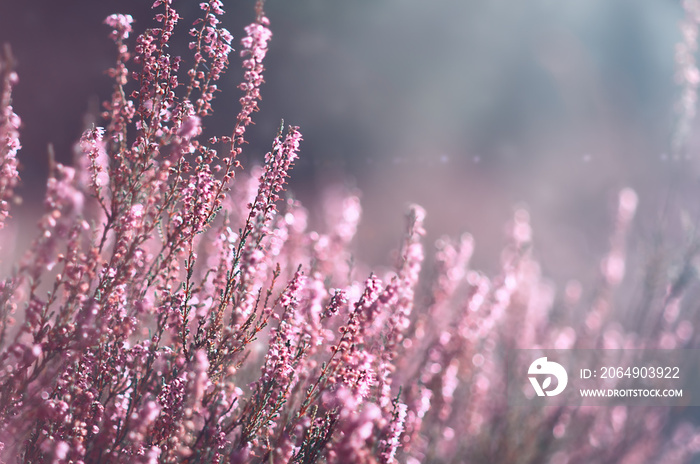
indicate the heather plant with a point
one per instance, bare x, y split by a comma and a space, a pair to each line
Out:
9, 132
173, 308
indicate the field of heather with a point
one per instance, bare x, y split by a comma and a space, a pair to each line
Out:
308, 232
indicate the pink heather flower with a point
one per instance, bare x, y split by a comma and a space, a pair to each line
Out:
190, 128
449, 383
412, 262
9, 136
121, 25
61, 451
254, 51
150, 456
312, 310
279, 359
418, 407
199, 197
338, 301
198, 379
356, 430
262, 213
212, 46
63, 195
97, 162
393, 431
342, 213
350, 213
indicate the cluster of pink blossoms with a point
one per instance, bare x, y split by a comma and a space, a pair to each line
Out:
9, 136
166, 313
253, 52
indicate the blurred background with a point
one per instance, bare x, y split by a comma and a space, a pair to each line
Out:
469, 108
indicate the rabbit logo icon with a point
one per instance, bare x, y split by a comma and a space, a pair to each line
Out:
551, 369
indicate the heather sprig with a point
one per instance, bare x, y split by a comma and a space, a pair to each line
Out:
9, 134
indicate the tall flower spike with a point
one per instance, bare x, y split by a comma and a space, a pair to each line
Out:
278, 163
212, 46
254, 51
402, 290
9, 135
